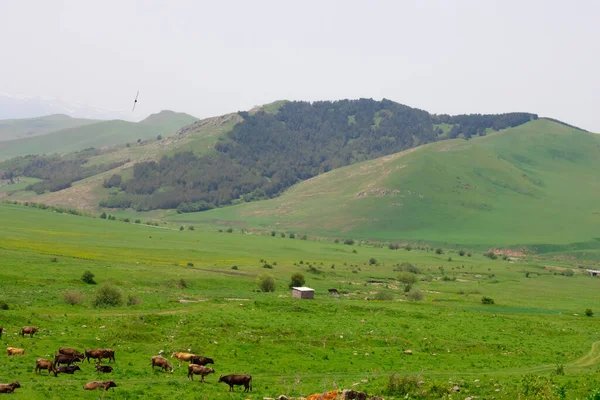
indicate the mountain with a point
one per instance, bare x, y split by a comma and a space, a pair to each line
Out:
98, 134
11, 129
536, 184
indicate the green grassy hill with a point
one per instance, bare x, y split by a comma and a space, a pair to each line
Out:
11, 129
536, 184
100, 134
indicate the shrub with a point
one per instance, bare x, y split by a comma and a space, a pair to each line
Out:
54, 259
103, 215
469, 254
304, 237
415, 295
487, 300
268, 266
568, 272
336, 241
137, 221
407, 247
384, 295
450, 259
266, 283
349, 242
461, 253
183, 283
313, 270
372, 261
190, 264
405, 386
133, 300
408, 279
73, 297
292, 235
273, 233
234, 267
229, 230
282, 234
526, 274
88, 277
191, 227
4, 305
439, 250
589, 312
108, 296
491, 255
297, 280
181, 228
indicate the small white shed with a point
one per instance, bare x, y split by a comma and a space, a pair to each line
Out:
303, 292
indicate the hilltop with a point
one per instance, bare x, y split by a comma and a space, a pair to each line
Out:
96, 134
11, 129
528, 185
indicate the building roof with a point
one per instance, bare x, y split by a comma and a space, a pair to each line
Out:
303, 289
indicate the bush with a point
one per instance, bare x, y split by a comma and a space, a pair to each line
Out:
292, 235
108, 296
137, 221
133, 300
267, 265
282, 234
103, 215
415, 295
191, 227
408, 279
405, 387
487, 300
73, 297
589, 312
313, 270
568, 272
234, 267
4, 305
407, 247
461, 253
190, 264
54, 259
88, 277
372, 261
469, 254
384, 295
273, 233
439, 251
181, 228
183, 283
304, 237
229, 230
297, 280
266, 283
349, 242
491, 255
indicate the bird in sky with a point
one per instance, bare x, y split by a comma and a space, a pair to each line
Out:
135, 101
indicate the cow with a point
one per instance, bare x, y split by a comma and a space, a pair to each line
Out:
201, 360
71, 352
239, 380
1, 330
108, 353
66, 359
28, 330
104, 385
9, 387
181, 356
66, 370
42, 363
12, 351
95, 353
104, 368
195, 369
162, 362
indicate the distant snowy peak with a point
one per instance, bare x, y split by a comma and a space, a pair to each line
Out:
17, 106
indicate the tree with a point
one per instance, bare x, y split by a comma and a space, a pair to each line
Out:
408, 279
266, 283
88, 277
297, 280
103, 215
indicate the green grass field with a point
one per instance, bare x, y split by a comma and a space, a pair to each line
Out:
534, 185
191, 297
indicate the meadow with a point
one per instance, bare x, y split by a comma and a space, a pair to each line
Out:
197, 290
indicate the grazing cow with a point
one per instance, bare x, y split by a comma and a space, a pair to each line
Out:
104, 385
195, 369
42, 363
71, 352
201, 360
162, 362
66, 370
9, 387
1, 330
94, 353
181, 356
108, 353
104, 368
66, 359
13, 351
28, 330
239, 380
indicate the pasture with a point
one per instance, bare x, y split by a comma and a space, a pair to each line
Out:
196, 291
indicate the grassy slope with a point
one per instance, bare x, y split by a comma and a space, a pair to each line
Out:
21, 128
454, 339
100, 134
533, 184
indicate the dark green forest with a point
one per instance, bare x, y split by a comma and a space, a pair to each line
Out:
267, 153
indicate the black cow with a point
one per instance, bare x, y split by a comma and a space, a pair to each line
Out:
104, 368
66, 370
239, 380
199, 360
66, 359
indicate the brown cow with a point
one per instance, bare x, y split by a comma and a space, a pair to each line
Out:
108, 353
162, 362
42, 363
104, 385
181, 356
239, 380
9, 387
195, 369
12, 351
66, 359
201, 360
104, 368
71, 352
66, 370
94, 353
29, 330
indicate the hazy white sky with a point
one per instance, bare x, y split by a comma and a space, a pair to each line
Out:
213, 57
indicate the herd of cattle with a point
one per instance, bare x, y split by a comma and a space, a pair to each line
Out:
65, 362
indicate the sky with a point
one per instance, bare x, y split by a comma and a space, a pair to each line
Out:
209, 58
